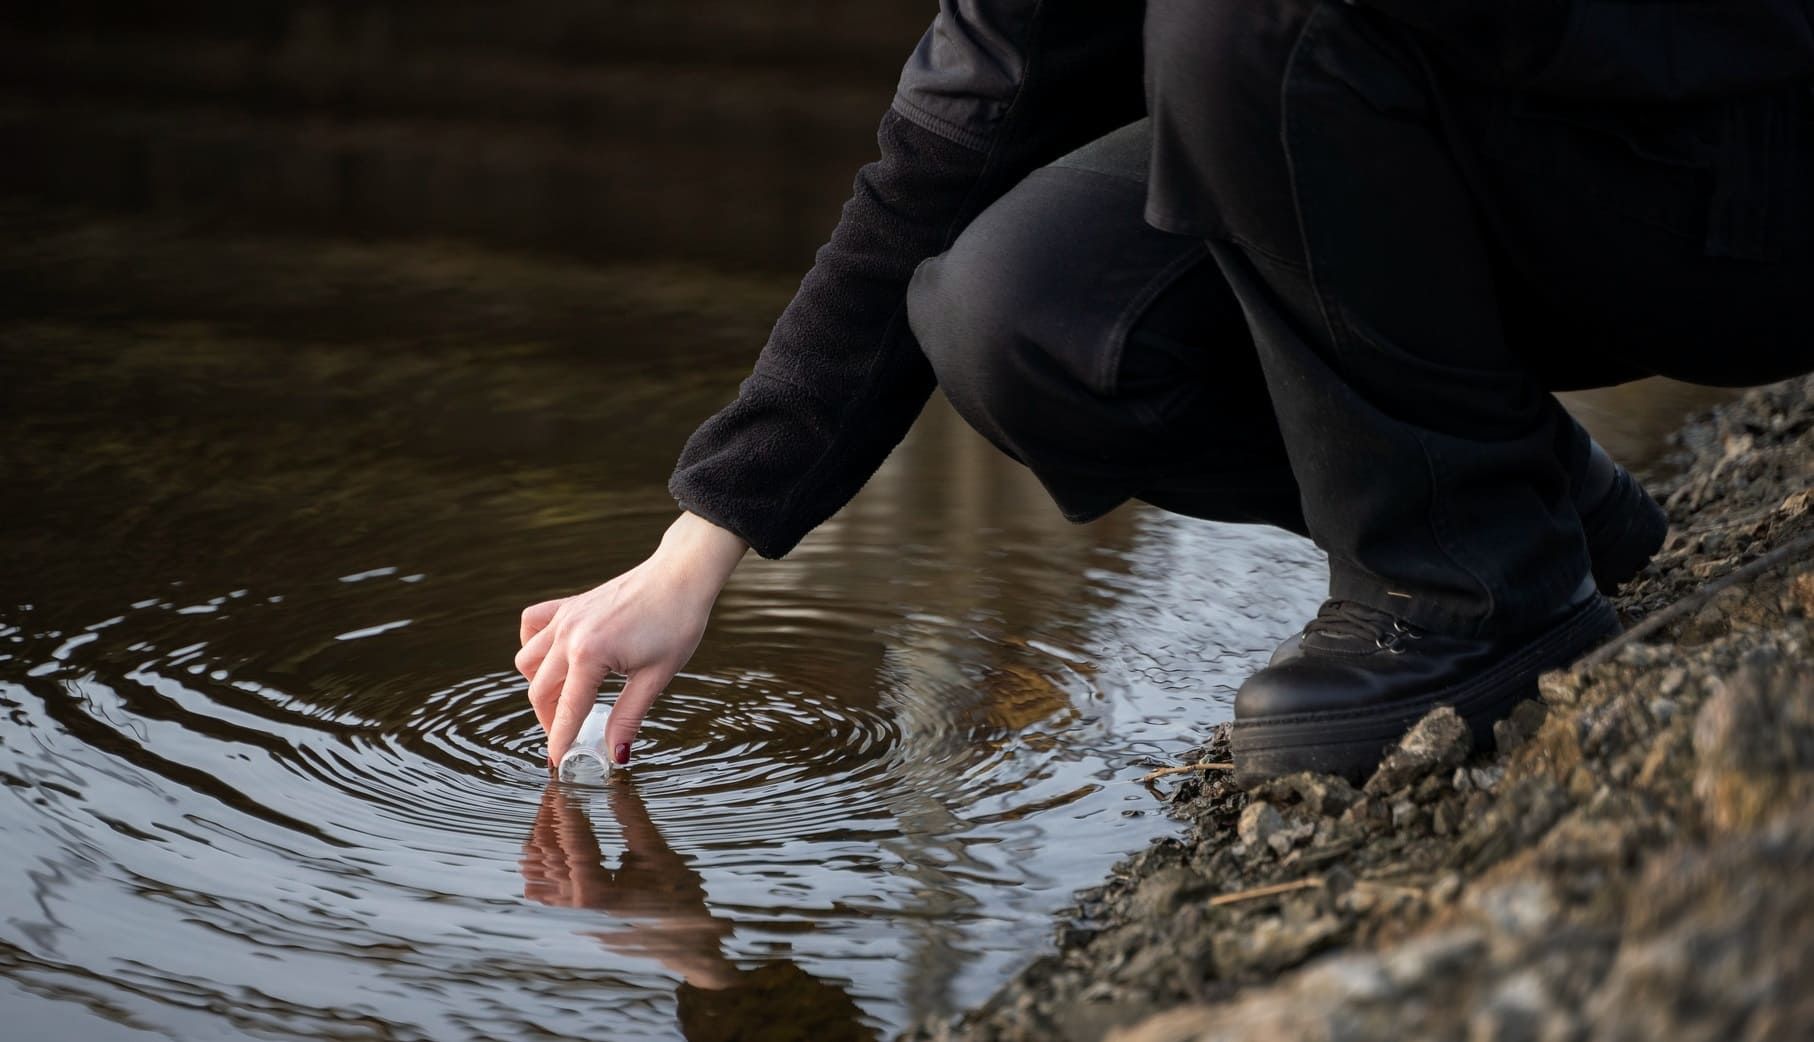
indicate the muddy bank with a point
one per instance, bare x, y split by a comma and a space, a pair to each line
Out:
1630, 864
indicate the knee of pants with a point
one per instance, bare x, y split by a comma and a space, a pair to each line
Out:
974, 310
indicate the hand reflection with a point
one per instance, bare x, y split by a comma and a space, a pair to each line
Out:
662, 902
654, 889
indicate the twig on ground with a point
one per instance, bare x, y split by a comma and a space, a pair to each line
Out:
1166, 772
1695, 601
1265, 891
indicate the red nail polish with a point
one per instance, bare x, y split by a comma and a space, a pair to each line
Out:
621, 754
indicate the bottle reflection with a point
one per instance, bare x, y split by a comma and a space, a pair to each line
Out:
660, 905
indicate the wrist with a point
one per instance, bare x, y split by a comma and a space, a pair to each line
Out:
702, 552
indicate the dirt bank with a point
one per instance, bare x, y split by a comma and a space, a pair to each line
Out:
1632, 863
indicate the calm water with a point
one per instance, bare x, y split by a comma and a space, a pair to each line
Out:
269, 515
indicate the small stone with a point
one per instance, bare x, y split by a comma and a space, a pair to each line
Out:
1485, 778
1523, 910
1515, 1012
1404, 814
1322, 794
1439, 741
1159, 895
1563, 689
1446, 889
1275, 943
1347, 978
1290, 836
1526, 718
1423, 960
1581, 784
1754, 741
1529, 716
1258, 823
1801, 589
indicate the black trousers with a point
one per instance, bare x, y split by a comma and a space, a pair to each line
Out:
1371, 279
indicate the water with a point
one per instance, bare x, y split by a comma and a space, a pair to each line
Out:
270, 511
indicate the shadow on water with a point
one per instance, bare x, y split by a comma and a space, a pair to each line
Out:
272, 507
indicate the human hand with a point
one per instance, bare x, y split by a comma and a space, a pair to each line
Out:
644, 624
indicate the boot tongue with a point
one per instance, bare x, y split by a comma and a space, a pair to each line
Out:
1349, 626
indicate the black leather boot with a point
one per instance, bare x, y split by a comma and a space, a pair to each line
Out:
1624, 527
1361, 677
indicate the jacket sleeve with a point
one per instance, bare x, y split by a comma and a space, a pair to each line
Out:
1644, 51
994, 89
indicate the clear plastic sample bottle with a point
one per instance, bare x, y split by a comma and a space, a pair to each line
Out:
588, 759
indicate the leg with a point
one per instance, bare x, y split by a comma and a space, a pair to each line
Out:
1113, 361
1421, 263
1310, 143
1108, 357
1305, 143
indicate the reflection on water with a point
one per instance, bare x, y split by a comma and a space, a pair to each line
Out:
268, 769
658, 908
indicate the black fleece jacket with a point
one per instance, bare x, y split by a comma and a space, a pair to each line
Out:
993, 91
997, 88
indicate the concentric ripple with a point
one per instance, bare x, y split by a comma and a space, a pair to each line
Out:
316, 805
291, 814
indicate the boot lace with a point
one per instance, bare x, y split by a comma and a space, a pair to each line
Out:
1352, 620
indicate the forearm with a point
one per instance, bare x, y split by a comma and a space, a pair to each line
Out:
841, 378
996, 88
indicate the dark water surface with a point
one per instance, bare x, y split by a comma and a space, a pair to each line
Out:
269, 514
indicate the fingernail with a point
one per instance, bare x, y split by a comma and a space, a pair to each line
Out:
621, 754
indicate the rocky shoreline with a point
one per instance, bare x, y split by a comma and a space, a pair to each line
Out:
1631, 863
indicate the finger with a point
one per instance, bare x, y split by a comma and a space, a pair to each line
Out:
631, 708
578, 692
536, 618
545, 689
529, 658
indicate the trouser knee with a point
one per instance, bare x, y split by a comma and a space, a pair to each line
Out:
974, 312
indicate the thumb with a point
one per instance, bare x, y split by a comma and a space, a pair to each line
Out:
632, 705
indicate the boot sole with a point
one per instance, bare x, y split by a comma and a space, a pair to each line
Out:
1351, 742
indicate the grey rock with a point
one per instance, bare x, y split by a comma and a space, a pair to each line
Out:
1515, 1012
1275, 943
1439, 741
1405, 814
1524, 909
1485, 778
1321, 794
1425, 961
1160, 894
1525, 720
1259, 821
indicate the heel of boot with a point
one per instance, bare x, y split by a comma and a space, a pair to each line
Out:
1624, 532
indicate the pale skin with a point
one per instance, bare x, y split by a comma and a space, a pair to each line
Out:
644, 624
